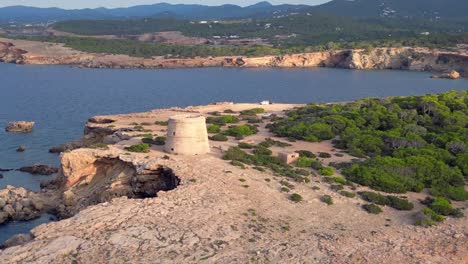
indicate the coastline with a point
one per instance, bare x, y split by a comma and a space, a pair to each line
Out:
210, 201
405, 58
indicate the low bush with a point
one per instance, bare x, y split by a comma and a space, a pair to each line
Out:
316, 165
161, 123
262, 151
327, 199
253, 111
240, 131
222, 120
302, 172
327, 171
304, 162
324, 155
295, 197
400, 204
433, 215
228, 111
139, 148
306, 153
374, 198
348, 194
392, 201
238, 164
442, 206
336, 187
244, 145
219, 137
213, 129
285, 189
372, 208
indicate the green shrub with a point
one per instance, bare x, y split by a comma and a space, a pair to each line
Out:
425, 221
400, 204
219, 137
340, 180
253, 111
228, 111
336, 187
302, 172
324, 155
441, 206
244, 145
327, 199
147, 135
316, 165
213, 129
327, 171
285, 189
161, 123
238, 164
304, 162
348, 194
240, 131
262, 151
306, 153
374, 198
139, 148
433, 215
372, 208
145, 124
222, 120
295, 197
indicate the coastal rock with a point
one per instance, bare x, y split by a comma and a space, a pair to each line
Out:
453, 75
20, 204
21, 149
40, 169
1, 176
10, 54
20, 126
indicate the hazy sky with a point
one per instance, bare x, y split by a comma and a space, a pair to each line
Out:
69, 4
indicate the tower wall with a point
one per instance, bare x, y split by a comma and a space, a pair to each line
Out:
187, 135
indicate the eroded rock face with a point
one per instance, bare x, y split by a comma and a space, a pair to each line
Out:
87, 179
20, 126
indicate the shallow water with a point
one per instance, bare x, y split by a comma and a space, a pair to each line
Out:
60, 99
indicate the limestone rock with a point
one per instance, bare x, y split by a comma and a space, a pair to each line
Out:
20, 126
453, 75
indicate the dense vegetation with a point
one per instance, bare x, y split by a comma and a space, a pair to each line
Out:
410, 143
313, 29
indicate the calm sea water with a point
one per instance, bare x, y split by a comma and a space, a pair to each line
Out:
60, 99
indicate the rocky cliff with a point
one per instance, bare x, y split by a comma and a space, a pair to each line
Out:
415, 59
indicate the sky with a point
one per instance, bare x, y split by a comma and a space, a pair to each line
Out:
76, 4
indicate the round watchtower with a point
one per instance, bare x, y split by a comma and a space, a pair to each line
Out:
187, 135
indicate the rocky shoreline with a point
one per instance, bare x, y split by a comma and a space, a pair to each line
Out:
405, 58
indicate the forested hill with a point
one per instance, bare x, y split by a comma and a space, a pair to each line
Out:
429, 9
434, 9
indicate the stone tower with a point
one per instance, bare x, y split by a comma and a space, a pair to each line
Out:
187, 135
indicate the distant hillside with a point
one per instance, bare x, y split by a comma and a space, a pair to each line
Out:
396, 8
180, 11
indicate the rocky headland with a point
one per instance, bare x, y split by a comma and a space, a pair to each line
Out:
405, 58
120, 206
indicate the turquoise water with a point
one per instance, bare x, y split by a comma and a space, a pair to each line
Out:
60, 99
